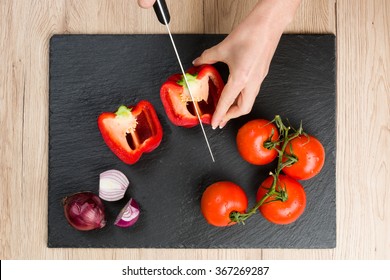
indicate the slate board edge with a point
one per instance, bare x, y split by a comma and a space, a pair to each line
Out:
109, 35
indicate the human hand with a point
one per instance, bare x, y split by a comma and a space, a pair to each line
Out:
146, 4
248, 51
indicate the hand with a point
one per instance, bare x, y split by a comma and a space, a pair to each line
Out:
146, 4
248, 51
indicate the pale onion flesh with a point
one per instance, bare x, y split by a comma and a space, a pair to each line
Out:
112, 185
128, 215
84, 211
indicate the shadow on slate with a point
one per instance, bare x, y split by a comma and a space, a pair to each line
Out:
91, 74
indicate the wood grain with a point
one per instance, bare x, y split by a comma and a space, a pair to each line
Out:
125, 17
363, 35
364, 110
316, 17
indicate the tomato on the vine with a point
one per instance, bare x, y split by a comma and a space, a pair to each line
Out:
219, 200
310, 155
251, 138
287, 205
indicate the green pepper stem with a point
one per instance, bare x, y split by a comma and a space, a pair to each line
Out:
190, 78
123, 111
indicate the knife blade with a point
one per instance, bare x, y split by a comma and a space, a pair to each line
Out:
161, 10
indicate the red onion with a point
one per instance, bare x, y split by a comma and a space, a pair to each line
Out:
112, 185
128, 215
84, 211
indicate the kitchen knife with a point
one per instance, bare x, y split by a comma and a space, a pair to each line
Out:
161, 10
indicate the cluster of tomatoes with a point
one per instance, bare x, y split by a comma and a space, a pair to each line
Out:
281, 199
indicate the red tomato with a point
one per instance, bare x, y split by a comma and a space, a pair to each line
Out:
282, 212
310, 154
219, 200
250, 141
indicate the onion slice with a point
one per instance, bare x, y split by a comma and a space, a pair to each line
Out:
128, 215
112, 185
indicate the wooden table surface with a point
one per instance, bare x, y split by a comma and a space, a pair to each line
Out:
363, 116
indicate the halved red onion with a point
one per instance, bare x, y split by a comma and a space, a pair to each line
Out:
112, 185
128, 215
84, 211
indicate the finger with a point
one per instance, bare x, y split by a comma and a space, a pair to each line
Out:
209, 56
146, 4
228, 97
222, 124
237, 110
242, 106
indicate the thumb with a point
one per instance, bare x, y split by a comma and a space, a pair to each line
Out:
146, 4
209, 56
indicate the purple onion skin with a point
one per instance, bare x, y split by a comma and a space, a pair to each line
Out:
123, 223
84, 211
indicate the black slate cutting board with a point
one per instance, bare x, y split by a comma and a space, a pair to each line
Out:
91, 74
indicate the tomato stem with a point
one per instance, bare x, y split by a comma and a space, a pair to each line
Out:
277, 192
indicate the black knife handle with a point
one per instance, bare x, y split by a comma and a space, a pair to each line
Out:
158, 11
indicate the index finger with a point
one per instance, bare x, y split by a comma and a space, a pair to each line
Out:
229, 94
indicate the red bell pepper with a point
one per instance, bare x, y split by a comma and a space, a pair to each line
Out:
131, 131
206, 86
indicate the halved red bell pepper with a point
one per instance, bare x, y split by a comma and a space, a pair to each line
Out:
131, 131
206, 86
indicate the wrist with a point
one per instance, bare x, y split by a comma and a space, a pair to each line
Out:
274, 14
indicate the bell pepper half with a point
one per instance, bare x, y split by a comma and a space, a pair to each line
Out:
131, 131
206, 86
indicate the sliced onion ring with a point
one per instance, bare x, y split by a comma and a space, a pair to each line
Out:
112, 185
128, 215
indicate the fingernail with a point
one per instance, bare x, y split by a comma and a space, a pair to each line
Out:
214, 124
222, 124
193, 62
